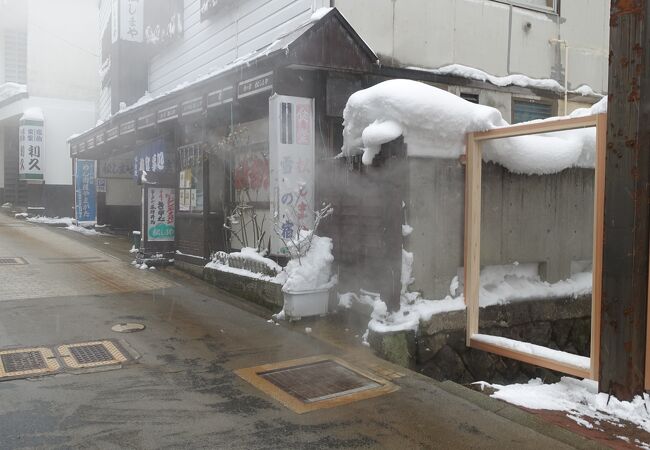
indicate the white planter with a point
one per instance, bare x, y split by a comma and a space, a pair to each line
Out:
298, 304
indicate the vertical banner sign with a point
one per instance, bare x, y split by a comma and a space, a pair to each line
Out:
85, 191
161, 210
115, 20
30, 151
131, 20
292, 161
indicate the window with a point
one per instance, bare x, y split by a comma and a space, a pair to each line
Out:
526, 110
15, 56
469, 97
190, 185
540, 5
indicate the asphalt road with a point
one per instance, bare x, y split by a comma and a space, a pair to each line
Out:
181, 392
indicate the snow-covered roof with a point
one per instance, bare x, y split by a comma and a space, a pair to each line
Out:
434, 123
9, 89
282, 45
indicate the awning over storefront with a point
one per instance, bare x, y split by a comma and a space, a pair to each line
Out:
328, 42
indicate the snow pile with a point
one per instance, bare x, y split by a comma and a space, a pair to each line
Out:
313, 270
585, 89
35, 114
579, 399
64, 221
435, 122
320, 13
580, 362
499, 285
516, 282
9, 89
220, 262
85, 231
458, 70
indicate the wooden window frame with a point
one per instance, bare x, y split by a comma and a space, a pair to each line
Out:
472, 255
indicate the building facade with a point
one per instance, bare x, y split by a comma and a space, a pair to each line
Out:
49, 56
206, 105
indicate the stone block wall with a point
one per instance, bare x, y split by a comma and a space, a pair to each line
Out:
438, 349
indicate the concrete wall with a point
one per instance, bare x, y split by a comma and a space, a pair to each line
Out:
489, 35
63, 49
529, 219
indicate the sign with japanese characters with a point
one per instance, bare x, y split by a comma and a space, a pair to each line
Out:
101, 185
85, 191
292, 159
131, 20
161, 209
30, 150
151, 158
116, 167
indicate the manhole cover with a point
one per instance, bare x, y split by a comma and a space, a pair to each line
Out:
318, 381
128, 327
91, 354
314, 383
5, 260
22, 363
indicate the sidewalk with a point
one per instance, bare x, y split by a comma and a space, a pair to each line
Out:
182, 392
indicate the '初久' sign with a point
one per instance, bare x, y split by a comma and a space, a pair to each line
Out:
151, 158
30, 151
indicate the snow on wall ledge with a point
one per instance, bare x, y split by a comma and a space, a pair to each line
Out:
435, 122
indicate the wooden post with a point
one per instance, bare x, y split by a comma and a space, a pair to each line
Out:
627, 167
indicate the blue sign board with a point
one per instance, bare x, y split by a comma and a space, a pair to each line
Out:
150, 158
85, 191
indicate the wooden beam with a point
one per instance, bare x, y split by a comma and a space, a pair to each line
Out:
627, 174
531, 359
472, 234
597, 258
546, 126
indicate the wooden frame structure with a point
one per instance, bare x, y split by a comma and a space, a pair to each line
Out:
473, 172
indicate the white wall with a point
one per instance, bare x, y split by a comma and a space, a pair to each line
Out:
63, 49
2, 157
218, 40
122, 192
475, 33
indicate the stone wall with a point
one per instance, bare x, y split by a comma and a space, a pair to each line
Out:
438, 349
258, 291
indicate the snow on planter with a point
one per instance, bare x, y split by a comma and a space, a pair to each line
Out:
435, 122
312, 271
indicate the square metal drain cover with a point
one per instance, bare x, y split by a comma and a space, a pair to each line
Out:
314, 383
25, 362
11, 261
91, 354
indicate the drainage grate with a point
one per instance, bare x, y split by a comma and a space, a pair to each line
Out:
313, 383
318, 381
5, 261
22, 363
91, 354
18, 362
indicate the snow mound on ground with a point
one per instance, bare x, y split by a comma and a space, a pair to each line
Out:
67, 221
312, 271
579, 398
435, 122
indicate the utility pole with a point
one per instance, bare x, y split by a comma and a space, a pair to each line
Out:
627, 173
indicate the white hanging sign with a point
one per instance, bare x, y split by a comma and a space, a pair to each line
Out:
292, 163
30, 151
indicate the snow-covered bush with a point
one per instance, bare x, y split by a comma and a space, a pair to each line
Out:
313, 270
